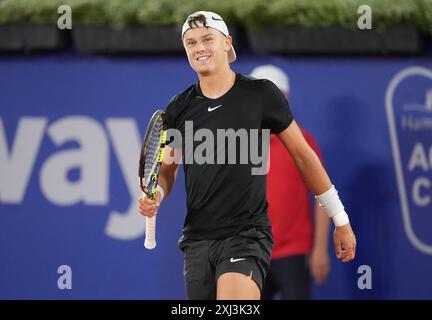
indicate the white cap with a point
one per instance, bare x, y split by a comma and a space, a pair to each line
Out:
274, 74
212, 20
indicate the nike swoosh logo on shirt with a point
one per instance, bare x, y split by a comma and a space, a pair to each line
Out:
214, 108
235, 260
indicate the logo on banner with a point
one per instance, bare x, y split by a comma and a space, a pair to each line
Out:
409, 115
91, 157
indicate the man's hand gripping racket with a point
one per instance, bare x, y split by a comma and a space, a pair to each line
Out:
151, 157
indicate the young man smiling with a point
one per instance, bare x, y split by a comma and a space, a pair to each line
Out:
227, 239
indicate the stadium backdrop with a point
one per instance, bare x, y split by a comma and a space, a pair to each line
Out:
70, 133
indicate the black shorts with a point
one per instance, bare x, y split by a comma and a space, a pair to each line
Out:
288, 277
248, 252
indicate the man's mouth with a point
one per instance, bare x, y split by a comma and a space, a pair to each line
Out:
203, 58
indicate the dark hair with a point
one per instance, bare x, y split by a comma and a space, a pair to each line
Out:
195, 19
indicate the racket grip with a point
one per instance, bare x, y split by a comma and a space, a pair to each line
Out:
150, 236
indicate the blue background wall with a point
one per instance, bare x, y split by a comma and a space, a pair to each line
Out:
342, 102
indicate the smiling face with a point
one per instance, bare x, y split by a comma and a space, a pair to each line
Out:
206, 49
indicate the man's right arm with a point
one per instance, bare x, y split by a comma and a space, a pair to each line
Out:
169, 169
166, 179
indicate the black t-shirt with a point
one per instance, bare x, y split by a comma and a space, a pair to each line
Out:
225, 198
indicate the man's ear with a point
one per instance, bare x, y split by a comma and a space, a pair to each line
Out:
228, 43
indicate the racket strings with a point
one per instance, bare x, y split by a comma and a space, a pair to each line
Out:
153, 146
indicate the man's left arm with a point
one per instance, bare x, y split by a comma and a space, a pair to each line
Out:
319, 183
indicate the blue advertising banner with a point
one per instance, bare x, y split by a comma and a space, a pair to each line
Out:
70, 133
409, 112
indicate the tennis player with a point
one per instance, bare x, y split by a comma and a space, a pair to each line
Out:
227, 240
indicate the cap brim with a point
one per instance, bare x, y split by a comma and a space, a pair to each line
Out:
232, 55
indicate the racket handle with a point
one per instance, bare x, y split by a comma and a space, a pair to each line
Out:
150, 236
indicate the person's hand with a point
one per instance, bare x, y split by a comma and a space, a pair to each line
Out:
147, 207
345, 243
319, 264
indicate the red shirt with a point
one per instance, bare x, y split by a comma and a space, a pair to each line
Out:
288, 200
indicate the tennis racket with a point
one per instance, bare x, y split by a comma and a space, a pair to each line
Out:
150, 162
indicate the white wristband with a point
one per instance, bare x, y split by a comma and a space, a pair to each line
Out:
161, 192
332, 205
340, 219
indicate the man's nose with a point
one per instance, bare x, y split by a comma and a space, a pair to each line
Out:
200, 47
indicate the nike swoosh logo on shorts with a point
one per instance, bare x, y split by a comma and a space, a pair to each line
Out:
214, 108
235, 260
